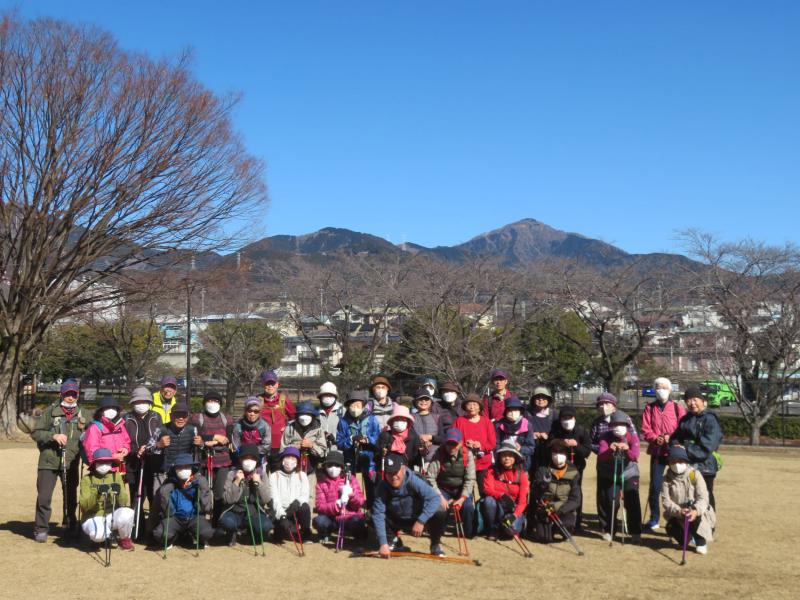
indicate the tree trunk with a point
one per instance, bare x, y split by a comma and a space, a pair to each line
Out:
755, 434
9, 379
231, 386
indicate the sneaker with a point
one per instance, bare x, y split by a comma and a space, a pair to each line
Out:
606, 537
325, 540
40, 537
232, 539
651, 526
126, 544
436, 550
702, 549
398, 545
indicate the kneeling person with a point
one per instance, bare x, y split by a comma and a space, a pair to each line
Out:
339, 498
245, 496
106, 515
556, 486
507, 491
452, 474
184, 501
290, 496
404, 499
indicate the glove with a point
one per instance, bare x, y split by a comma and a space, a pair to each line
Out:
347, 490
293, 508
507, 503
115, 488
103, 488
508, 527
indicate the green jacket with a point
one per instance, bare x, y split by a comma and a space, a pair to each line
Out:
92, 502
51, 422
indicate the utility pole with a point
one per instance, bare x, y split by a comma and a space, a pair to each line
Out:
188, 343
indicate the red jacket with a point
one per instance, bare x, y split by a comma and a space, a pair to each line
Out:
514, 482
483, 432
494, 408
657, 421
277, 411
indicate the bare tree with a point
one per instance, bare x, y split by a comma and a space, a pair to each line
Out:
108, 161
755, 288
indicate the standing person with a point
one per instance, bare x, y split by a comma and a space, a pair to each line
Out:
541, 419
277, 410
306, 434
517, 429
357, 437
57, 435
506, 498
399, 437
430, 384
659, 420
427, 425
684, 495
556, 484
215, 429
494, 403
405, 500
699, 432
99, 521
578, 444
184, 491
330, 411
252, 429
452, 474
165, 398
107, 430
141, 424
290, 496
479, 436
380, 404
449, 410
245, 497
338, 497
619, 443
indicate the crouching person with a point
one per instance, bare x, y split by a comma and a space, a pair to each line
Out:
105, 502
402, 500
339, 498
684, 495
506, 488
452, 474
245, 498
556, 486
290, 496
184, 501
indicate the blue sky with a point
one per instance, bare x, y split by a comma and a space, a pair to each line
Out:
435, 121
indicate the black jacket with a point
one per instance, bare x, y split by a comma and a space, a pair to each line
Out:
582, 451
412, 453
701, 435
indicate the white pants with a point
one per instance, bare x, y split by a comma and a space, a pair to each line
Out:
97, 527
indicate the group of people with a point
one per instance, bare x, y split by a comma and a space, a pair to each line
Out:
345, 466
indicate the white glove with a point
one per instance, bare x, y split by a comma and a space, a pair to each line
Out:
347, 490
340, 503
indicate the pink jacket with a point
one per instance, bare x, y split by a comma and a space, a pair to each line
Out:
328, 493
105, 434
656, 422
604, 453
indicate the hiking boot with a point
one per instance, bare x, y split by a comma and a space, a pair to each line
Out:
126, 544
398, 545
40, 537
436, 550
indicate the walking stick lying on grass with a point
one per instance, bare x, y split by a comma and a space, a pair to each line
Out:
449, 559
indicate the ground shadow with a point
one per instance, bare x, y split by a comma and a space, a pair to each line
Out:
20, 528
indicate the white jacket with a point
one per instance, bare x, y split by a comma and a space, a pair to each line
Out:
285, 488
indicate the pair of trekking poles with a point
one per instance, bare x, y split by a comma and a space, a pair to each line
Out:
108, 490
619, 466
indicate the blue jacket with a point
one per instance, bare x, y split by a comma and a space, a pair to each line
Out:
701, 435
349, 429
414, 500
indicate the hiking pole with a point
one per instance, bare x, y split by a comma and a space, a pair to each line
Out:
65, 515
553, 516
111, 533
340, 535
614, 501
197, 522
460, 536
250, 523
166, 529
103, 489
139, 499
517, 538
260, 522
300, 550
685, 538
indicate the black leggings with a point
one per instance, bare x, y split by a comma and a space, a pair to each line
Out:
709, 479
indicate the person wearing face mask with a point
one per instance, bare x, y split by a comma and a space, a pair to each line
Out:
380, 405
427, 425
659, 421
215, 428
516, 428
57, 434
141, 422
606, 405
290, 496
449, 409
494, 402
399, 437
578, 448
252, 429
277, 410
556, 484
306, 434
183, 492
699, 432
684, 495
330, 411
541, 419
99, 522
107, 430
338, 497
356, 437
246, 492
618, 441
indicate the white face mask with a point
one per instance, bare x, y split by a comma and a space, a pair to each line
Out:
399, 425
304, 420
379, 393
559, 460
514, 416
327, 401
620, 430
71, 404
183, 474
333, 472
248, 464
355, 411
110, 413
450, 397
289, 464
429, 388
141, 408
102, 469
212, 408
662, 395
678, 468
606, 409
568, 424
